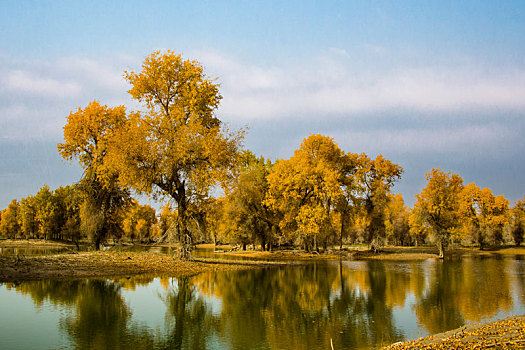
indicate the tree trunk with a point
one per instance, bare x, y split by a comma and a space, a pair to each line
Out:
97, 243
343, 221
441, 248
184, 234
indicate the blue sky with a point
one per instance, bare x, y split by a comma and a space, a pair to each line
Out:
425, 83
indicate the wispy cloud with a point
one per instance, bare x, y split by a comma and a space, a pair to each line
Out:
33, 84
326, 86
474, 140
36, 96
41, 94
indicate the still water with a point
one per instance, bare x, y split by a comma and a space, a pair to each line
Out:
353, 304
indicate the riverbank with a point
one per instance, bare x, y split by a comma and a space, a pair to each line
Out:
38, 243
72, 264
508, 333
362, 253
99, 264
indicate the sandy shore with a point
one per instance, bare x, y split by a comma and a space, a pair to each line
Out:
508, 333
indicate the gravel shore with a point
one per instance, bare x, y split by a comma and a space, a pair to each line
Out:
508, 333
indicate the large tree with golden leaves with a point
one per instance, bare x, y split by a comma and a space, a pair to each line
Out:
176, 147
306, 188
87, 135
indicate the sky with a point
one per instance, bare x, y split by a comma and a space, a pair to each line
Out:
426, 84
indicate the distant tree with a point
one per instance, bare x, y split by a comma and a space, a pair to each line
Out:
138, 221
518, 222
177, 147
86, 137
419, 229
397, 222
347, 204
9, 223
483, 214
376, 178
27, 217
70, 199
47, 213
218, 223
167, 221
437, 205
249, 216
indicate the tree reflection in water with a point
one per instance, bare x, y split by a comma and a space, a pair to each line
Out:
467, 290
349, 304
101, 318
301, 308
189, 319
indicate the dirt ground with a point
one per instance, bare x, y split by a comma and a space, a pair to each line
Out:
508, 333
92, 264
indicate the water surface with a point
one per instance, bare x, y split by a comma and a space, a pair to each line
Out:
353, 304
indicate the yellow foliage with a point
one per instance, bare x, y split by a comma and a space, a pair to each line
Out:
88, 132
483, 215
305, 187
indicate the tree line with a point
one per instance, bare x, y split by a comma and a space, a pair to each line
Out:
322, 196
62, 215
175, 148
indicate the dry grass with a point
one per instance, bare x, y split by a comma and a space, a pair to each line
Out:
508, 333
34, 243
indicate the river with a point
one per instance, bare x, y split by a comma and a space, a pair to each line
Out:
347, 304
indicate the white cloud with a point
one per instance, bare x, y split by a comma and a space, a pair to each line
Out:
324, 87
27, 82
329, 85
36, 96
471, 139
101, 74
